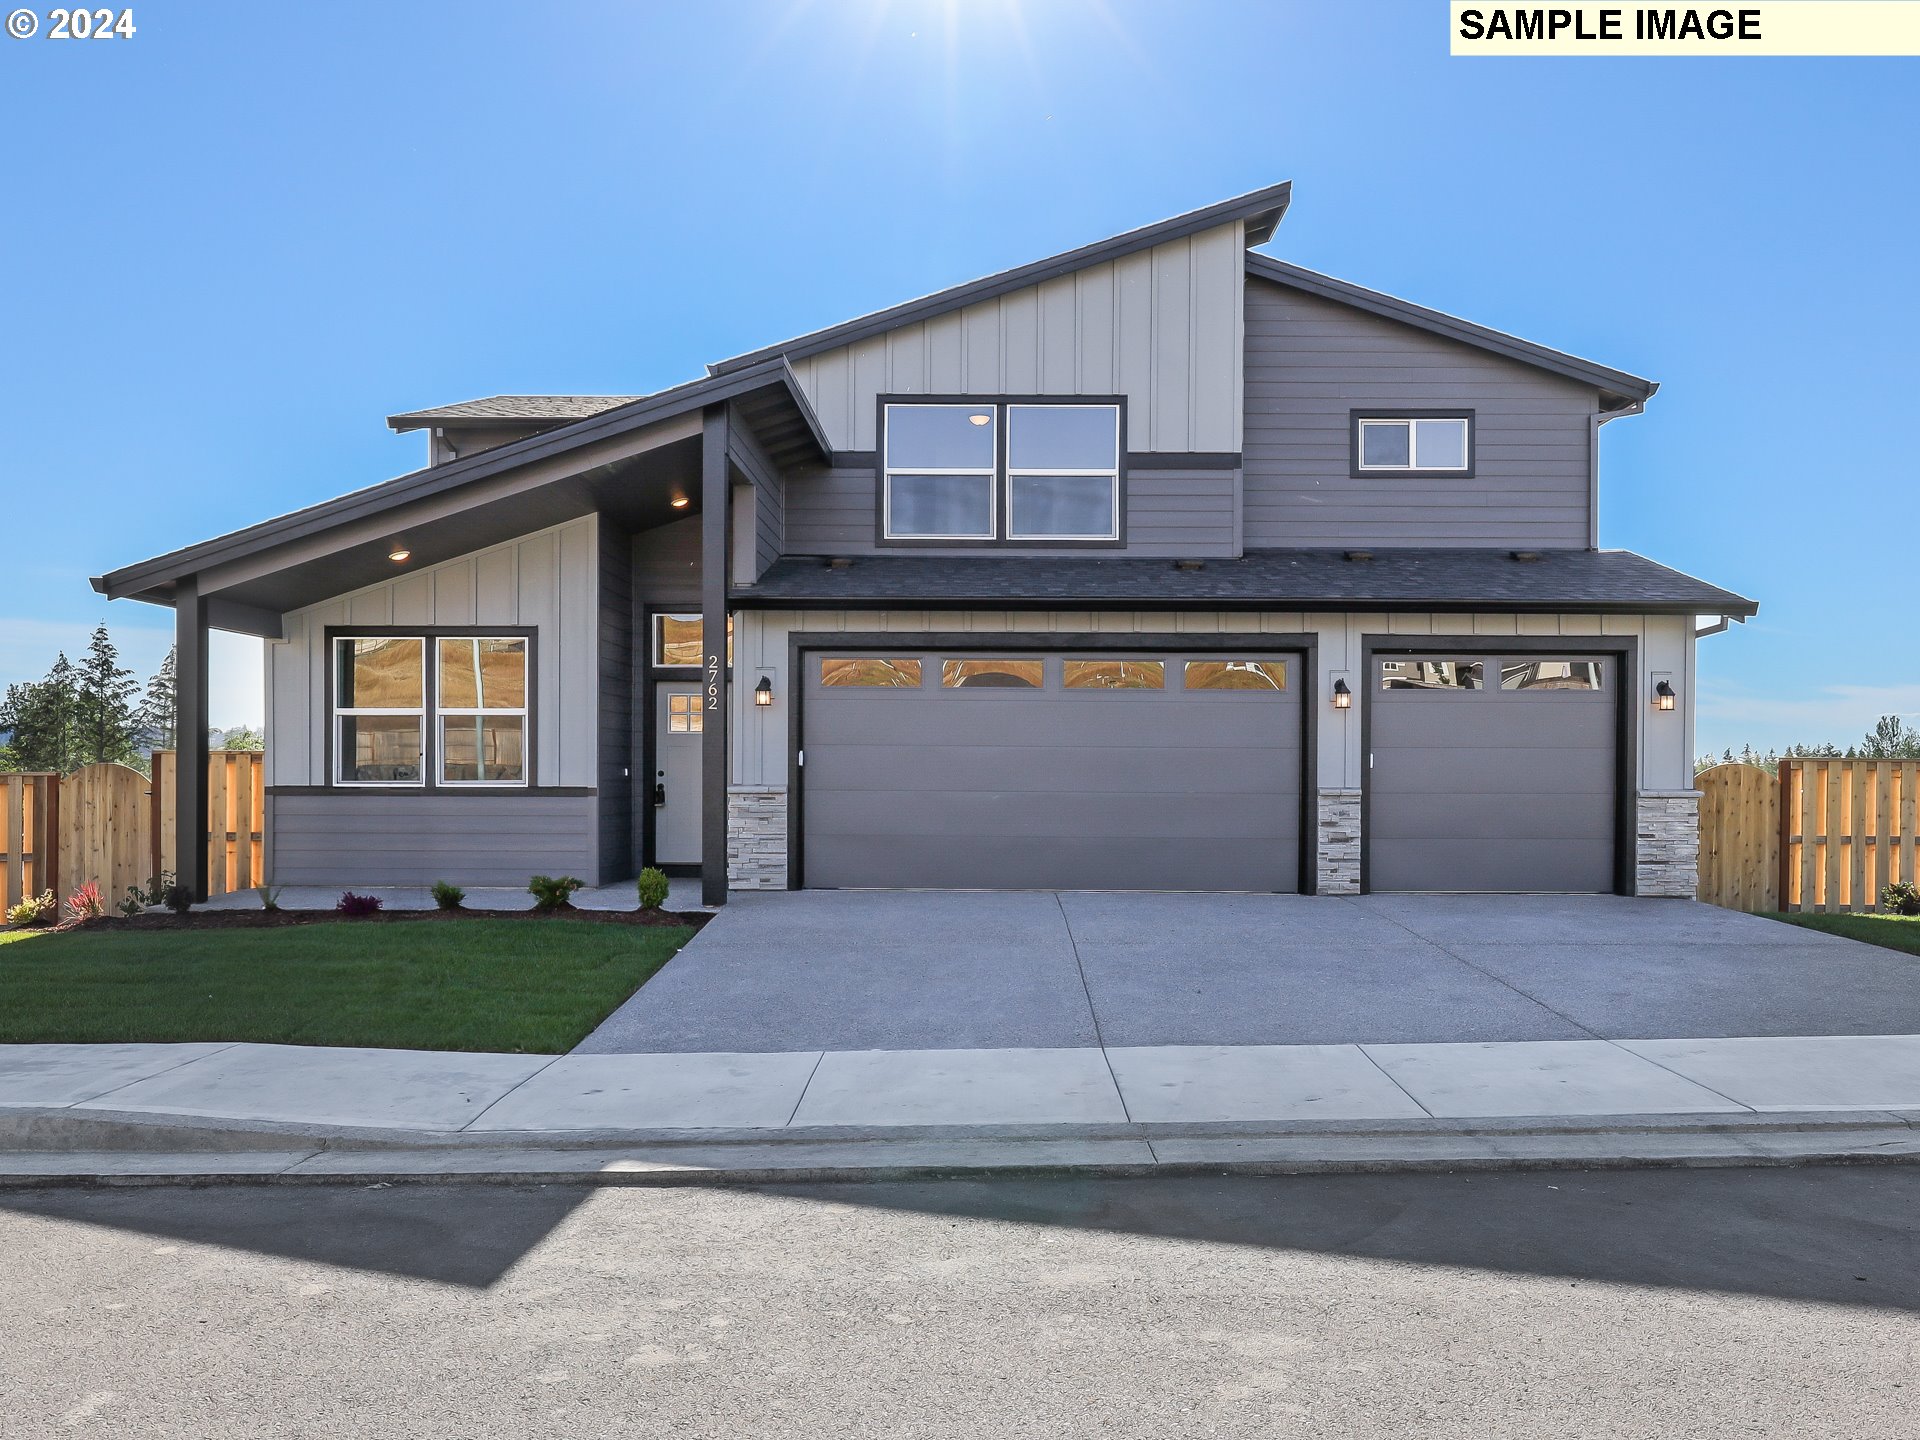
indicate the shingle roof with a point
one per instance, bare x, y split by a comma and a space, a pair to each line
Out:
1453, 579
545, 409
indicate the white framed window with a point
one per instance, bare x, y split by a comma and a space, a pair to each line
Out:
939, 465
379, 710
1063, 472
1428, 444
481, 685
449, 711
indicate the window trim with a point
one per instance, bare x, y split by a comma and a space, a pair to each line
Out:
1357, 471
429, 782
1001, 539
991, 474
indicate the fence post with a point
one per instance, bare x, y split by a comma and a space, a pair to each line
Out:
1785, 782
50, 832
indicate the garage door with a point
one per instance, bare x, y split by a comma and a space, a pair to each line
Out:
1026, 771
1493, 773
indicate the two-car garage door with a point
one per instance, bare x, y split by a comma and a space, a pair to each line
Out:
1022, 770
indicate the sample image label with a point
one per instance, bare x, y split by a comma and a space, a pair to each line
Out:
1764, 27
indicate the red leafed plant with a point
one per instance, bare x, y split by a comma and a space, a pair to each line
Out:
86, 903
358, 907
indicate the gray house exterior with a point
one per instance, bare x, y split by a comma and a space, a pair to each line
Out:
1158, 564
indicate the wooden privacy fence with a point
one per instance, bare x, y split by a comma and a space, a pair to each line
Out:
110, 824
1827, 835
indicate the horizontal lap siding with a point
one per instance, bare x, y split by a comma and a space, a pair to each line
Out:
1310, 362
1168, 512
347, 839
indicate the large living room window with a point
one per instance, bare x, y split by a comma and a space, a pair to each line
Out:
450, 707
1000, 471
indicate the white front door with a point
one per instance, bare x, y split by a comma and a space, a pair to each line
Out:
676, 780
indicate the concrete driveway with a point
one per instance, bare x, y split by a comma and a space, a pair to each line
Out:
904, 970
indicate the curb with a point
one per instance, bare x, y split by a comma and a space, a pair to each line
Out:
757, 1158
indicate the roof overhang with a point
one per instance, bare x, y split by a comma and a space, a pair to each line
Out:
1258, 211
1618, 390
1459, 580
628, 461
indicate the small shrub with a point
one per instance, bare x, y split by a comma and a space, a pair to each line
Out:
358, 907
448, 897
553, 892
35, 910
653, 888
86, 903
269, 896
177, 898
1902, 897
138, 898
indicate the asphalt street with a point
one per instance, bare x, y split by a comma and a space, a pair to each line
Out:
1695, 1303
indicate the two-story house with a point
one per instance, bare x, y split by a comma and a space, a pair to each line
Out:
1160, 564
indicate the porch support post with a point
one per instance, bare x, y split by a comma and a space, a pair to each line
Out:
715, 552
190, 736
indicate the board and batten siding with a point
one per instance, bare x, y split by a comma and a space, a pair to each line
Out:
1168, 513
1310, 362
1162, 327
1666, 646
547, 581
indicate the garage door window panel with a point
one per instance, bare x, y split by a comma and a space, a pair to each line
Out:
1558, 676
864, 673
1267, 676
1115, 674
1436, 675
992, 674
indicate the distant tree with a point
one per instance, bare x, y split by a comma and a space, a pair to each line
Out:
240, 737
105, 727
1891, 739
160, 706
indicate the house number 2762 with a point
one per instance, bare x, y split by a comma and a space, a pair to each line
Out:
713, 682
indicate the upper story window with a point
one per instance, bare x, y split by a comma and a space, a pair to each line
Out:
1412, 443
406, 707
1034, 472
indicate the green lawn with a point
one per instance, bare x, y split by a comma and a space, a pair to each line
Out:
1896, 932
527, 985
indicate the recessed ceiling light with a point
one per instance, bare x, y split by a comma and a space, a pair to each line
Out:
981, 419
399, 554
679, 502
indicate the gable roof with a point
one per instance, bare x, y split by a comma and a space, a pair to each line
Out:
768, 394
1261, 211
1619, 389
536, 409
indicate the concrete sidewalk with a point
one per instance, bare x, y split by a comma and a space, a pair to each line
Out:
212, 1109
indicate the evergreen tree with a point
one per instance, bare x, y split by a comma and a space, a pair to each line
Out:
1891, 739
160, 706
43, 717
104, 703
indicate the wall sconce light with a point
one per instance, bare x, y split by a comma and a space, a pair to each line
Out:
399, 554
679, 502
763, 692
1663, 696
1342, 696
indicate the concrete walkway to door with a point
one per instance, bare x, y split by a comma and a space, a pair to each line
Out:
916, 970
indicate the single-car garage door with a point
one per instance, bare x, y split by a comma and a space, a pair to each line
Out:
1493, 773
1020, 770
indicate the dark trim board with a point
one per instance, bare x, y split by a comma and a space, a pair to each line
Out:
1624, 650
430, 775
1002, 502
1134, 459
460, 792
802, 643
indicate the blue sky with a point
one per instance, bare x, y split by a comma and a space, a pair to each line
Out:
238, 240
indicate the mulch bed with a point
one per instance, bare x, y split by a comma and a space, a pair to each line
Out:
276, 919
